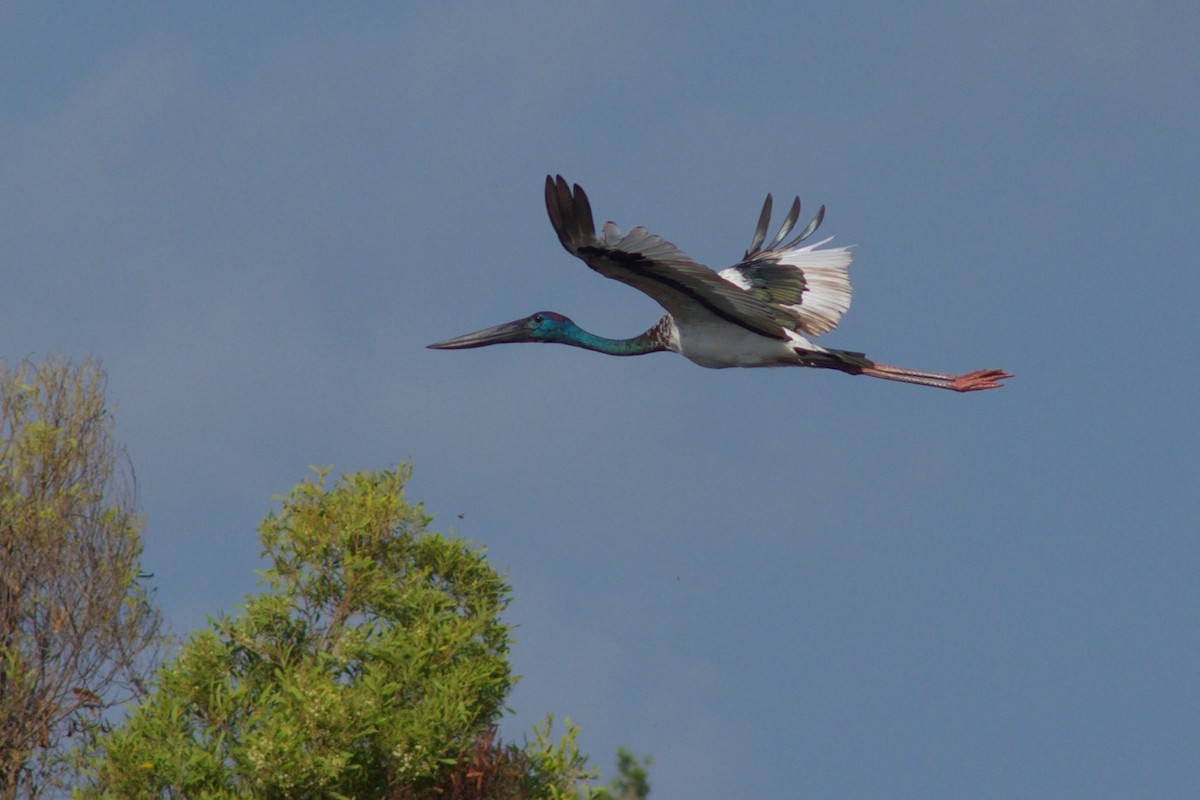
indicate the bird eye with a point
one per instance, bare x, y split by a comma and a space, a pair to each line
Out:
538, 318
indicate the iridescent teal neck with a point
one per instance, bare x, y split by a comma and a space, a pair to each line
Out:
636, 346
648, 342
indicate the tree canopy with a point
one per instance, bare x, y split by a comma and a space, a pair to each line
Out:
372, 663
78, 633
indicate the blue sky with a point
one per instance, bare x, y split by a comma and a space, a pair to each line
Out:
779, 583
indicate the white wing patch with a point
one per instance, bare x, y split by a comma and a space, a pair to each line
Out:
825, 275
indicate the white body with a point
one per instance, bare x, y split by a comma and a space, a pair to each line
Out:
711, 342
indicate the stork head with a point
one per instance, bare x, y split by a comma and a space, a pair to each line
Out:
544, 326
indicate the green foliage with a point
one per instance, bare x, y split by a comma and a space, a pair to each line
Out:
78, 633
373, 663
633, 777
552, 759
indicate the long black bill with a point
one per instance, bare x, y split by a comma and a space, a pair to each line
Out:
500, 334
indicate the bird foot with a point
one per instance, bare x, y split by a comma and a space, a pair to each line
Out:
979, 380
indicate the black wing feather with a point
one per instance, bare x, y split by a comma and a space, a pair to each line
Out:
653, 265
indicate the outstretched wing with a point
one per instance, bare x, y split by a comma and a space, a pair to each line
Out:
809, 285
651, 264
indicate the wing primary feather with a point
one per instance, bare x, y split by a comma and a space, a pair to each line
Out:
583, 214
809, 229
788, 224
760, 232
570, 213
566, 207
554, 209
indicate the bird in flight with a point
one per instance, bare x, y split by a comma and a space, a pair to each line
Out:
761, 312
